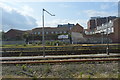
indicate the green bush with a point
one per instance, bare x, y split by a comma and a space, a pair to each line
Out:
54, 43
48, 43
17, 65
34, 78
16, 45
33, 44
81, 73
24, 45
24, 67
39, 43
119, 76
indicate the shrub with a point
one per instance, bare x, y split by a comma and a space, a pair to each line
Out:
48, 43
33, 44
34, 78
17, 65
24, 45
81, 73
24, 67
16, 45
39, 43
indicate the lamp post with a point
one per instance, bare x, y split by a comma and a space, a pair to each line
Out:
43, 30
107, 48
102, 41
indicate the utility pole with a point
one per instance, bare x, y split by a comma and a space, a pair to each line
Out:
107, 48
43, 30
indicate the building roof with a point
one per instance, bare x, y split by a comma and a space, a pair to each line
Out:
15, 30
77, 28
51, 28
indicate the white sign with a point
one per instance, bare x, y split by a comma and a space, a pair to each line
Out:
63, 36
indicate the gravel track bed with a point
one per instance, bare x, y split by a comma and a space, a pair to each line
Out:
63, 70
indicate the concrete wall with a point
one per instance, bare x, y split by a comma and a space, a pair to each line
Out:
77, 37
12, 42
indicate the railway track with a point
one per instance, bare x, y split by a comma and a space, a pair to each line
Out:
60, 59
58, 50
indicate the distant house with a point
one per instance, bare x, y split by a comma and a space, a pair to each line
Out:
51, 30
14, 34
51, 33
77, 28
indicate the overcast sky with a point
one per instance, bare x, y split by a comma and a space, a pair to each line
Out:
28, 15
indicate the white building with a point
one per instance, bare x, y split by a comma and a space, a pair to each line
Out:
108, 27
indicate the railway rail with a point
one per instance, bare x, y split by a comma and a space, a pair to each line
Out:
59, 59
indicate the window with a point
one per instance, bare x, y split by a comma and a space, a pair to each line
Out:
60, 31
35, 32
112, 29
110, 21
38, 32
46, 32
52, 32
56, 32
64, 31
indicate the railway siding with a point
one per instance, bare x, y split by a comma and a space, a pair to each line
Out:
59, 50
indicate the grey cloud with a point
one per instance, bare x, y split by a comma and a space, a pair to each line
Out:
15, 20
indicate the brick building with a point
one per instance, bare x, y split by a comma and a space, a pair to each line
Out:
77, 32
51, 30
100, 32
91, 24
116, 35
77, 28
51, 33
14, 34
98, 21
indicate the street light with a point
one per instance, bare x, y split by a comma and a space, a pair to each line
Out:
43, 31
102, 41
107, 48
